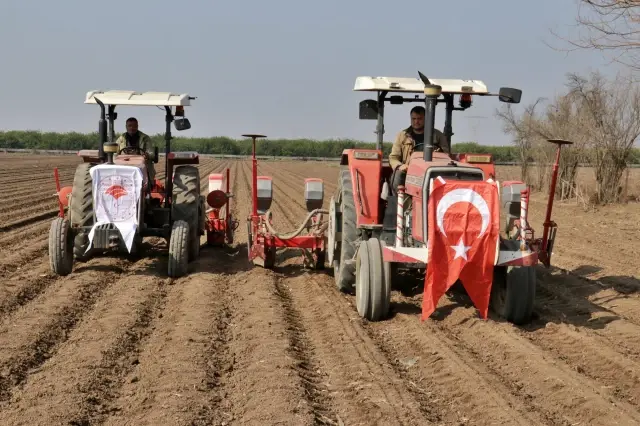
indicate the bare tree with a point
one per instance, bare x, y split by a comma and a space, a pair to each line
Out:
561, 119
611, 117
601, 118
611, 26
524, 129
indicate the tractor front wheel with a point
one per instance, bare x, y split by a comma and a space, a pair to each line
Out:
60, 247
513, 292
179, 249
373, 293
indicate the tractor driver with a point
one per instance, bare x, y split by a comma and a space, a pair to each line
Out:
411, 140
135, 138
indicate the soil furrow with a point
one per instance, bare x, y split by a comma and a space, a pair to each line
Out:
17, 258
435, 371
365, 380
18, 291
303, 351
593, 358
590, 294
48, 214
364, 387
532, 373
35, 332
614, 331
11, 239
255, 377
177, 377
83, 378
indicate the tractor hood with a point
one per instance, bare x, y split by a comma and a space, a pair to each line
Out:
418, 167
441, 165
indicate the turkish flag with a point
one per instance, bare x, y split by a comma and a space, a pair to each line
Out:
463, 235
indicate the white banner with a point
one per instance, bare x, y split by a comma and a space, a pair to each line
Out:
116, 194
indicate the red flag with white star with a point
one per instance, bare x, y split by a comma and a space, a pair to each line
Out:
463, 233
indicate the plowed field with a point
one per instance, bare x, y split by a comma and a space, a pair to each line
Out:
119, 343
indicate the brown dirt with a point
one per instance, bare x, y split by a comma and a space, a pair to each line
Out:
118, 343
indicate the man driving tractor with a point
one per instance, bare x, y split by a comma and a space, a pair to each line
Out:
411, 140
134, 138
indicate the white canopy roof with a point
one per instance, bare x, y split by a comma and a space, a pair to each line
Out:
128, 97
415, 85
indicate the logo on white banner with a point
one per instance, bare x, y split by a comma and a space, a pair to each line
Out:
118, 198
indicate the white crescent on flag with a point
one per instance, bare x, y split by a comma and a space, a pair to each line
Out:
463, 195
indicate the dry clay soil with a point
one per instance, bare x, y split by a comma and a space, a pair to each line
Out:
119, 343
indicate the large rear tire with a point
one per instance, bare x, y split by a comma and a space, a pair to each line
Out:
513, 293
373, 289
345, 247
179, 249
60, 247
81, 210
186, 204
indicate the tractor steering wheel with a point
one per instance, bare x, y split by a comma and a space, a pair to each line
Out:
133, 150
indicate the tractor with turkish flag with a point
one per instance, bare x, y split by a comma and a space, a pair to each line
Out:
443, 221
115, 200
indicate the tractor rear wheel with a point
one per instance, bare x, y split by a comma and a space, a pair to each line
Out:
513, 292
186, 204
179, 249
60, 247
81, 209
373, 293
345, 247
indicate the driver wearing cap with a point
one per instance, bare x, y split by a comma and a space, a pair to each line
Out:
411, 140
134, 138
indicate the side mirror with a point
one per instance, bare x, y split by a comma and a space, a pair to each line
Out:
368, 109
155, 155
182, 124
510, 95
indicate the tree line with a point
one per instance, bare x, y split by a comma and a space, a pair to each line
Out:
227, 146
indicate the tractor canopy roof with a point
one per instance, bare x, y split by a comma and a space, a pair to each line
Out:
129, 97
415, 85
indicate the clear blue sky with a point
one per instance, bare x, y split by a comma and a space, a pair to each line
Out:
284, 68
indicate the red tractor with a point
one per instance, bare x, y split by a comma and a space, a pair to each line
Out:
264, 240
374, 232
115, 201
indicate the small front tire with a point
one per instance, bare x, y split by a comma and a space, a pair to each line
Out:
60, 247
179, 249
373, 286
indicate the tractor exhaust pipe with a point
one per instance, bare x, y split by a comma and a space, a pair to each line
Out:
431, 94
102, 129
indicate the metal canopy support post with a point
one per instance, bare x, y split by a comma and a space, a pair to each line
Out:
380, 125
167, 149
448, 126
